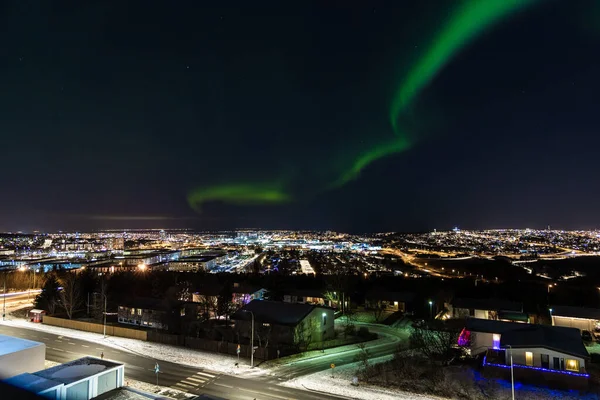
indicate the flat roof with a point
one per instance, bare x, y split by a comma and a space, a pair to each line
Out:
9, 344
77, 370
32, 383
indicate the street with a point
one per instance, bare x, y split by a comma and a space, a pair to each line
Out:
392, 337
181, 377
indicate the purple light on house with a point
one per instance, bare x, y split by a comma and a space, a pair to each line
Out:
555, 371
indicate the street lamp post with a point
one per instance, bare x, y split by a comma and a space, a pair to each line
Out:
251, 340
105, 300
4, 296
430, 309
512, 376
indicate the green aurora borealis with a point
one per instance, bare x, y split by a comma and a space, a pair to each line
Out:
465, 22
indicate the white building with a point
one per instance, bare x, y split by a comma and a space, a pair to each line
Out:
18, 356
584, 319
81, 379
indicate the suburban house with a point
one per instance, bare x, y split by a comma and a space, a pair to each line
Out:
479, 335
494, 309
307, 296
391, 301
286, 323
584, 319
207, 299
541, 354
243, 294
154, 313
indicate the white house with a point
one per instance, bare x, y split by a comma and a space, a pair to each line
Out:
496, 309
541, 354
584, 319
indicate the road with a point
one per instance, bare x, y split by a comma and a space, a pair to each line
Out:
392, 338
192, 380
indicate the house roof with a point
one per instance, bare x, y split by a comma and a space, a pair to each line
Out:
487, 304
148, 303
576, 312
403, 297
32, 383
76, 370
513, 316
275, 312
10, 344
307, 293
209, 290
490, 325
558, 338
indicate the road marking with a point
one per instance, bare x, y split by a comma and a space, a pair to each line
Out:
220, 384
83, 345
54, 348
183, 385
56, 340
72, 344
70, 352
191, 378
98, 348
47, 338
262, 393
205, 374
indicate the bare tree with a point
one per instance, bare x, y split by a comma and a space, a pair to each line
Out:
304, 333
263, 334
70, 295
363, 356
435, 342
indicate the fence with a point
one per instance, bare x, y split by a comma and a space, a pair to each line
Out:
96, 328
215, 346
170, 339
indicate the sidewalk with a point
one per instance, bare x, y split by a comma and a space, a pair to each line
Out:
340, 384
217, 362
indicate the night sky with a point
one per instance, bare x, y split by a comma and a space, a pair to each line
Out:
350, 116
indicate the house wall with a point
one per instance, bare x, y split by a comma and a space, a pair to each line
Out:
29, 360
318, 324
142, 317
579, 323
519, 357
481, 341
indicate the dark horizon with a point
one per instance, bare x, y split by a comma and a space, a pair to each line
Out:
351, 117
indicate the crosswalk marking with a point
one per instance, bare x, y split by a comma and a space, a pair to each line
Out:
205, 374
198, 380
183, 385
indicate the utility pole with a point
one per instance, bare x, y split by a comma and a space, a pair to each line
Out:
251, 340
4, 296
105, 316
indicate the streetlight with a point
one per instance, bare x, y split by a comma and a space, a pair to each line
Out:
251, 340
549, 287
430, 309
142, 267
512, 376
105, 301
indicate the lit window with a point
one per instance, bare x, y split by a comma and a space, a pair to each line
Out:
572, 365
496, 341
529, 358
133, 311
139, 311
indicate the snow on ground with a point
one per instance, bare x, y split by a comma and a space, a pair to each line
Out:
341, 384
212, 361
157, 390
